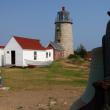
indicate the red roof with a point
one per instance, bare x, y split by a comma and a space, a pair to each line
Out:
27, 43
1, 46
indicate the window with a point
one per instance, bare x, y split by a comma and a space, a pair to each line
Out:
35, 55
8, 52
59, 40
49, 54
46, 54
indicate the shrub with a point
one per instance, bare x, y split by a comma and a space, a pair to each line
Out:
75, 56
81, 51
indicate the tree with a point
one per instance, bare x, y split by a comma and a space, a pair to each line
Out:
81, 51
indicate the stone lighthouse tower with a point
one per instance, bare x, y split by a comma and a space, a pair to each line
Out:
63, 31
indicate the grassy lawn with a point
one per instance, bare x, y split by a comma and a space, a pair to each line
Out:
59, 73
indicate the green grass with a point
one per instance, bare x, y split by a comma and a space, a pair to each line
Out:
33, 78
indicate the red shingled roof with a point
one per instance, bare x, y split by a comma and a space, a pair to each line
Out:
27, 43
1, 46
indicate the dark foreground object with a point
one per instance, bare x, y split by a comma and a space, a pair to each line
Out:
108, 13
101, 100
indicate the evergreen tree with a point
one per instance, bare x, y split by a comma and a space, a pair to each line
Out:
81, 51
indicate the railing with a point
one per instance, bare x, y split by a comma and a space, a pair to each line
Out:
63, 20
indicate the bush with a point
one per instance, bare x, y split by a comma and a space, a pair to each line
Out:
70, 56
75, 56
81, 51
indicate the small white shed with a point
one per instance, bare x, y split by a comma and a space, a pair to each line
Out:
19, 51
1, 55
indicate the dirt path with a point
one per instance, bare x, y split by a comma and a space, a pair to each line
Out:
56, 98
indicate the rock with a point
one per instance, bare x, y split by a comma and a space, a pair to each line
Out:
52, 101
42, 107
65, 103
19, 108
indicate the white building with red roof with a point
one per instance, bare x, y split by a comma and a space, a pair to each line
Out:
20, 51
1, 55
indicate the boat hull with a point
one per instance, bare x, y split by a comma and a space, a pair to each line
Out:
38, 63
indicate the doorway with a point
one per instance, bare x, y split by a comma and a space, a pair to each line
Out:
13, 57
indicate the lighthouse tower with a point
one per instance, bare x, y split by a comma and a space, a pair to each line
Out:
63, 31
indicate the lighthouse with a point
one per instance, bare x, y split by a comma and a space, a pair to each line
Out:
63, 31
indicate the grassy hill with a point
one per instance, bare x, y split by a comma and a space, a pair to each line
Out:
62, 72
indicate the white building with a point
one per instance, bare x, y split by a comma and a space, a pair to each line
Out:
20, 51
1, 55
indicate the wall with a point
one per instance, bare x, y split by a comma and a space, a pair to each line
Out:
58, 54
1, 57
66, 38
51, 57
12, 45
41, 55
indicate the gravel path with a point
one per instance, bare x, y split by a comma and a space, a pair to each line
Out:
56, 98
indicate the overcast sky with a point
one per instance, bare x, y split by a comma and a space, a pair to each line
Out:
35, 19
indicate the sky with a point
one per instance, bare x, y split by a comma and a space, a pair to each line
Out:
35, 19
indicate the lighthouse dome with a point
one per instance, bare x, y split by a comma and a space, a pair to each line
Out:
63, 16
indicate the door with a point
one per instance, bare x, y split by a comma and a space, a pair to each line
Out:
13, 57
